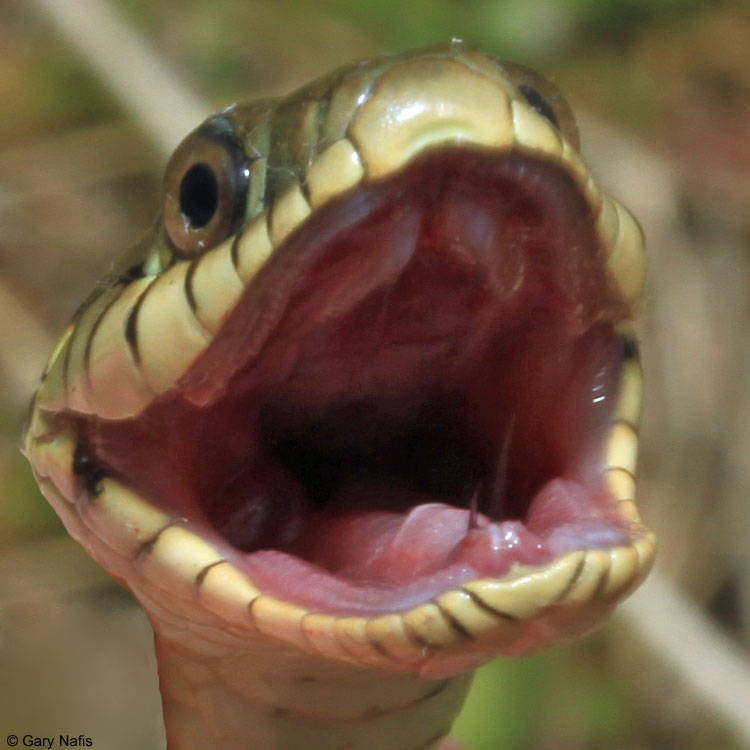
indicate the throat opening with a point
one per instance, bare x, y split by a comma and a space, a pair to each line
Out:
339, 454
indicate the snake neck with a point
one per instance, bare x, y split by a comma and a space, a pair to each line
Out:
237, 692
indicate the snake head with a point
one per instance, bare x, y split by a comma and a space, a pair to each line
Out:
368, 387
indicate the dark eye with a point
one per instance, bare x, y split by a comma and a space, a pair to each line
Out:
538, 103
205, 190
544, 98
199, 195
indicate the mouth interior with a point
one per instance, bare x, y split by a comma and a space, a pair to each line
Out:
413, 392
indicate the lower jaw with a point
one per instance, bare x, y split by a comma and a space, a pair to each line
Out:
404, 560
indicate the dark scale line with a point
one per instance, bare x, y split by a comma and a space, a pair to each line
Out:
602, 581
308, 146
145, 549
623, 585
235, 249
75, 334
90, 341
620, 468
66, 361
418, 638
380, 648
88, 471
67, 335
305, 190
538, 103
357, 645
314, 138
455, 623
627, 423
187, 285
488, 607
204, 572
130, 274
250, 606
131, 326
573, 579
630, 348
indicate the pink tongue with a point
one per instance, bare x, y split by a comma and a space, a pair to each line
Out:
425, 539
388, 546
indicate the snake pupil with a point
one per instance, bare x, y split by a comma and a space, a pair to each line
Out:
538, 103
199, 195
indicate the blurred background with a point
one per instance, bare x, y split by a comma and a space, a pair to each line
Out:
95, 93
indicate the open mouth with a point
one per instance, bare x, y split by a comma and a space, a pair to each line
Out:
415, 391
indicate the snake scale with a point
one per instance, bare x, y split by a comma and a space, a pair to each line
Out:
360, 412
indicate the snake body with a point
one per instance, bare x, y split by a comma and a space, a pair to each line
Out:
240, 260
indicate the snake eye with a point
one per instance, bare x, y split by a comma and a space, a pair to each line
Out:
199, 195
205, 190
538, 103
544, 98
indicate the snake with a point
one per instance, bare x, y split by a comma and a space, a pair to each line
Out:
360, 412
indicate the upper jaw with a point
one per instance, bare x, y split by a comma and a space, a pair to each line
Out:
133, 341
